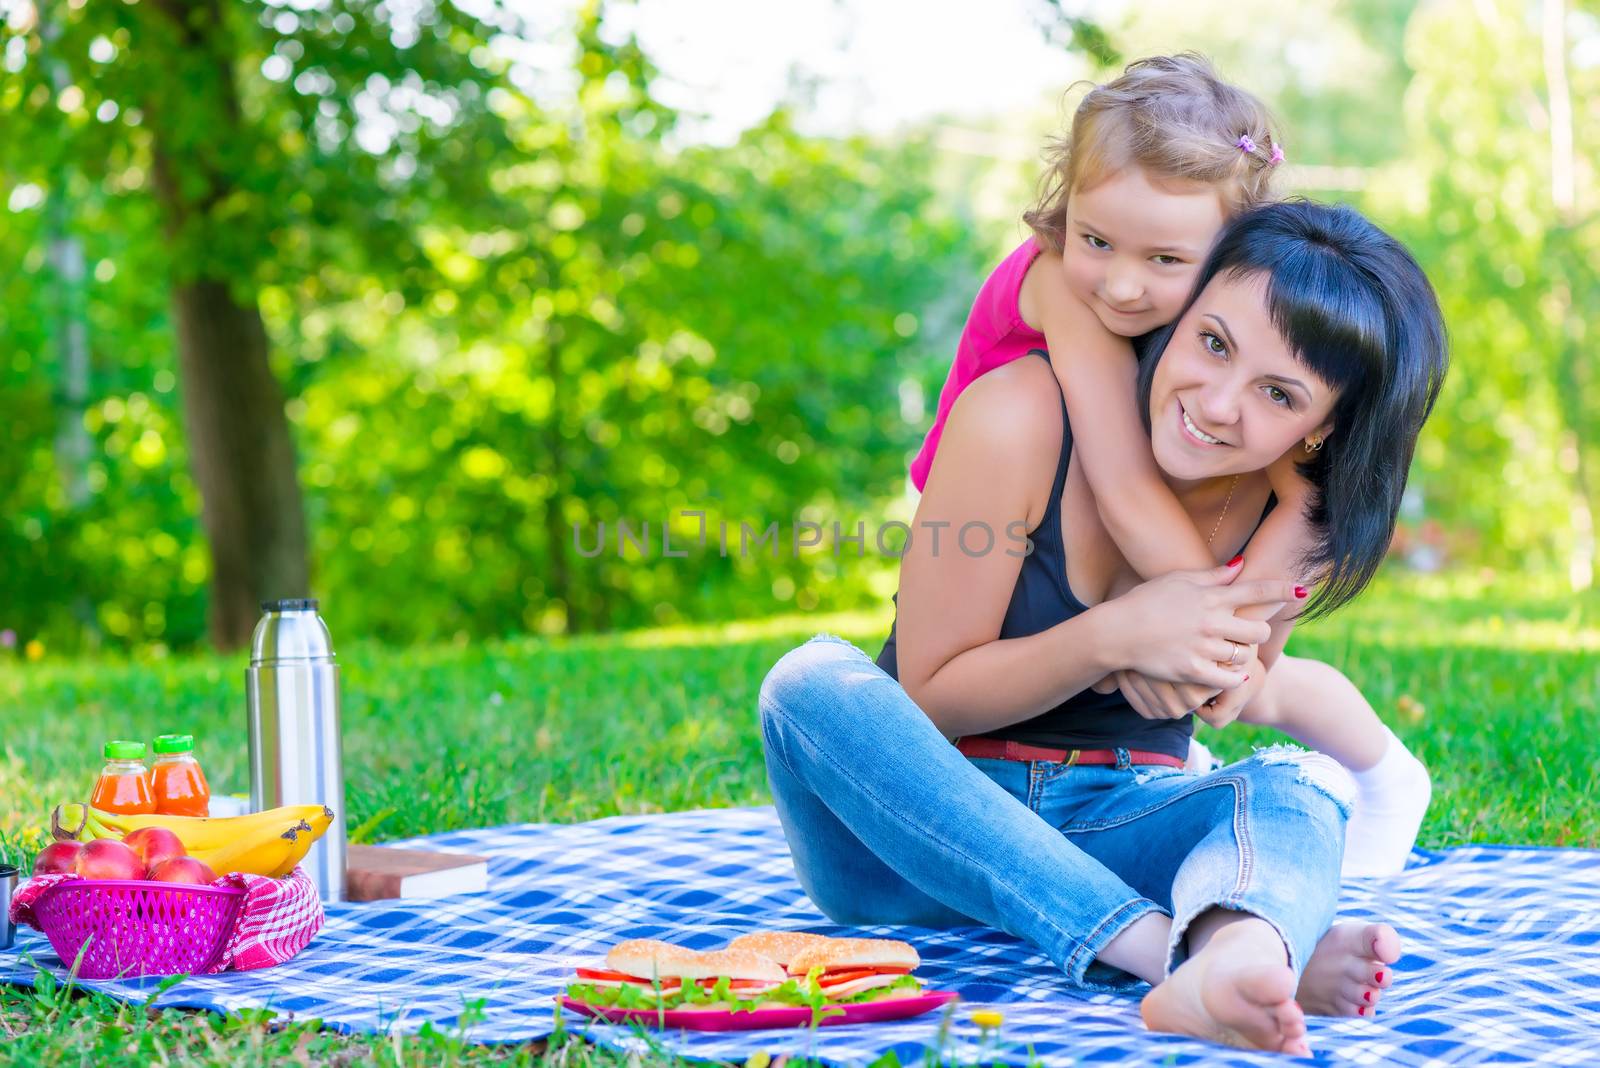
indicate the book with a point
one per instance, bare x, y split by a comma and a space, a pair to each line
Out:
376, 873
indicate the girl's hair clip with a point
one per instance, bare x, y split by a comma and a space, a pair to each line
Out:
1277, 155
1245, 144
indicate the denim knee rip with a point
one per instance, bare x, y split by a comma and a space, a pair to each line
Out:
829, 636
1317, 770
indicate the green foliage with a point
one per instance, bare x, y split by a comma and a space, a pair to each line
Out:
124, 135
1474, 198
719, 330
497, 320
504, 319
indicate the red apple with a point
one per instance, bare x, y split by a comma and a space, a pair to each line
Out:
182, 870
154, 844
58, 858
106, 858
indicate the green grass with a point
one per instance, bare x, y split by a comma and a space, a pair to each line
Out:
1500, 680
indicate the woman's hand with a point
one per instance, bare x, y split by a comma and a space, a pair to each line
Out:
1182, 627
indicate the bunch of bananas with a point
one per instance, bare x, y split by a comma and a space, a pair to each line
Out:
262, 843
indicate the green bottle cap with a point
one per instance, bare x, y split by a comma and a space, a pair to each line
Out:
174, 743
122, 750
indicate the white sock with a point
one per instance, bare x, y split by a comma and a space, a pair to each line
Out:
1200, 760
1392, 797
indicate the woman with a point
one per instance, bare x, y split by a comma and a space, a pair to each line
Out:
1061, 815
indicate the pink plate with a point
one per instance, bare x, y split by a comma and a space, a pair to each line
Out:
762, 1019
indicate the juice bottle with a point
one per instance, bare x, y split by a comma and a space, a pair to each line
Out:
123, 787
176, 780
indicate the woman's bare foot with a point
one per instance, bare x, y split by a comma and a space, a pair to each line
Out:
1238, 990
1349, 970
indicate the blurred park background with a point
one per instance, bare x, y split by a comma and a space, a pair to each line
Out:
387, 301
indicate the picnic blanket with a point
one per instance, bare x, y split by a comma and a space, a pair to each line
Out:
1502, 962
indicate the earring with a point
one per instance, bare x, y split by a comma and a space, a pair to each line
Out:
1313, 444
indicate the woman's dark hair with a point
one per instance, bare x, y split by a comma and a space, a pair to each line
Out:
1358, 312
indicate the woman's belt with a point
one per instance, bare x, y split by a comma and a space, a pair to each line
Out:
996, 749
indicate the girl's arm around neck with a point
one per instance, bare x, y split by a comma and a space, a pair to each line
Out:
993, 474
1097, 372
1274, 552
1278, 548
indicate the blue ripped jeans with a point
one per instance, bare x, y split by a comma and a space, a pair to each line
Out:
889, 824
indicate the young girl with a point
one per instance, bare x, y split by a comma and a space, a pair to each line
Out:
1154, 164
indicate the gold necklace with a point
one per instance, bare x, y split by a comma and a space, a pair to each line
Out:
1231, 487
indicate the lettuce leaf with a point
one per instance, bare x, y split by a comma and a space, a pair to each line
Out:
627, 996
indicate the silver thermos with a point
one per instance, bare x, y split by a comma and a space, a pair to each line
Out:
292, 691
8, 887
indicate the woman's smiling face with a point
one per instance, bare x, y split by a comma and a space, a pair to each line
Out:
1228, 395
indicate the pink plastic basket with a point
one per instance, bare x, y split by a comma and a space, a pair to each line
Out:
126, 928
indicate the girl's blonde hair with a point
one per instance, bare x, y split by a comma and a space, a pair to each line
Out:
1173, 117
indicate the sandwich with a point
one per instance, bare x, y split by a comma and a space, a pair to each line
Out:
858, 969
763, 971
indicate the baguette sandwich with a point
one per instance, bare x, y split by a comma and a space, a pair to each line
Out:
762, 971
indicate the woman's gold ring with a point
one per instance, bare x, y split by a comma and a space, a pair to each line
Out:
1234, 659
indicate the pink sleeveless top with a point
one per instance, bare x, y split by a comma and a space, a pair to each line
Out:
994, 335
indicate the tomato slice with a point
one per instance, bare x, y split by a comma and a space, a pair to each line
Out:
736, 984
850, 975
835, 978
601, 973
840, 978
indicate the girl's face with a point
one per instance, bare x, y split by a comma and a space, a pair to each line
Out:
1228, 396
1133, 247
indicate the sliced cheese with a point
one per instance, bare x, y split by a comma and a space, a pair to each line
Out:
871, 982
749, 992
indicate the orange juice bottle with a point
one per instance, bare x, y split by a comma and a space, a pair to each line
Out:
176, 780
123, 786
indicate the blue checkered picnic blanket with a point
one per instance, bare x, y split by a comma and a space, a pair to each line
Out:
1502, 963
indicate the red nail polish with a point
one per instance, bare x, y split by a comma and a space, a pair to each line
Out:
1300, 591
1367, 994
1236, 561
1361, 1010
1247, 678
1378, 978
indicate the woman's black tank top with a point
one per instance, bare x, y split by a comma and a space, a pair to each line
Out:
1042, 599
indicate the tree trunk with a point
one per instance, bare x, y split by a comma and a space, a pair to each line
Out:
239, 444
242, 457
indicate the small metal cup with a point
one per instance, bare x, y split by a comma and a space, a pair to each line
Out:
8, 886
